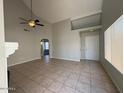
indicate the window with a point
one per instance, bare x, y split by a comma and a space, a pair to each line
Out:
114, 44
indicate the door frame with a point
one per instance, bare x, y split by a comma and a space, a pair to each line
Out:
83, 34
42, 52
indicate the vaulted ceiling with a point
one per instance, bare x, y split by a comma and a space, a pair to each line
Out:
58, 10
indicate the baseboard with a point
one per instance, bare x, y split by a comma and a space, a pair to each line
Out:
21, 62
119, 89
67, 59
89, 59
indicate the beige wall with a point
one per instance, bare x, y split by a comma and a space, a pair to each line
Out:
29, 42
44, 33
66, 43
3, 62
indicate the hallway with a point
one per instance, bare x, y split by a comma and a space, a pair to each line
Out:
60, 76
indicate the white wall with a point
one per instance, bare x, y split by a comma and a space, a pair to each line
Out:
29, 48
66, 43
3, 62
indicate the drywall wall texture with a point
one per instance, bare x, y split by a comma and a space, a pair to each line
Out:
66, 43
14, 32
44, 33
3, 61
111, 11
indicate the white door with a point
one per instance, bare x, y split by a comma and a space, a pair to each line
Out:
92, 47
82, 46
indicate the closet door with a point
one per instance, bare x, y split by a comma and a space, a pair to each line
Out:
92, 47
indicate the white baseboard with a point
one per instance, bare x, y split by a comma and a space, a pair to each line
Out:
67, 59
89, 59
21, 62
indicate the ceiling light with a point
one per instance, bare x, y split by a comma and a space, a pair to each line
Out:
31, 23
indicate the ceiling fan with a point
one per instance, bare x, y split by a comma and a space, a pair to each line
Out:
30, 22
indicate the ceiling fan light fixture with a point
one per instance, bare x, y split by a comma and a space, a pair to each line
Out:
31, 23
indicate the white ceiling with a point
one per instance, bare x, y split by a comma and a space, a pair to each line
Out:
58, 10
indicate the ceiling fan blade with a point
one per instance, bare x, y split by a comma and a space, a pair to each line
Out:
27, 30
37, 20
33, 26
40, 24
23, 19
23, 23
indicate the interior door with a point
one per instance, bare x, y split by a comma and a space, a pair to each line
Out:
82, 46
92, 47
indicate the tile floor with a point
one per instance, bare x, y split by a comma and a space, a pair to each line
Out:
60, 76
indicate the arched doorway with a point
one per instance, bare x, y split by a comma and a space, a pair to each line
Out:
45, 47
